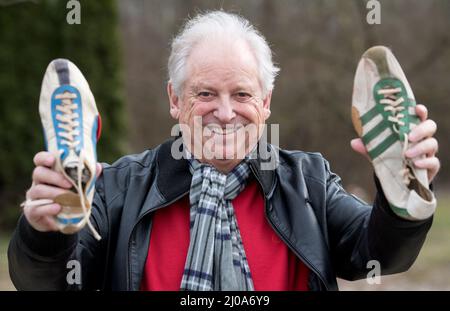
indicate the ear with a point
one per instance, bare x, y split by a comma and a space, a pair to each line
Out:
266, 105
174, 101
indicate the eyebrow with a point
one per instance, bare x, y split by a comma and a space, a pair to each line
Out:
203, 85
244, 87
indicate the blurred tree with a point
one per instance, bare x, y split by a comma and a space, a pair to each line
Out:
31, 35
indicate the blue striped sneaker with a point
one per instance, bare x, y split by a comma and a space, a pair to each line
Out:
383, 114
72, 126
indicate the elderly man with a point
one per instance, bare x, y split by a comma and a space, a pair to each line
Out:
212, 219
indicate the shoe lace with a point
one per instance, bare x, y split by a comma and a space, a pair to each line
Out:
79, 189
393, 104
69, 123
68, 120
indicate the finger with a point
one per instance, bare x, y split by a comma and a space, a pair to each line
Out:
44, 158
432, 165
422, 112
423, 130
49, 223
36, 212
43, 191
99, 170
428, 147
44, 175
358, 146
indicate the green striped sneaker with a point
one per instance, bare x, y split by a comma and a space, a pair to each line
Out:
383, 114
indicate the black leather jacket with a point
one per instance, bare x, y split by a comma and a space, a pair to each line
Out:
334, 233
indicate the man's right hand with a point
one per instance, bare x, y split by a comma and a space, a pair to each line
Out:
47, 184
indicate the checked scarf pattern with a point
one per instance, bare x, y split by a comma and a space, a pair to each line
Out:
216, 258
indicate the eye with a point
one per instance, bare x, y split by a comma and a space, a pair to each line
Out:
205, 95
243, 96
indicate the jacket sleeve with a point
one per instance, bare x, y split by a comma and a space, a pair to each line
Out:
55, 261
360, 233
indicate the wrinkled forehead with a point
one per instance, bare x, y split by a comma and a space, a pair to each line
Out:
222, 60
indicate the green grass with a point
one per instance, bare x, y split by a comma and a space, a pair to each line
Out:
5, 281
436, 250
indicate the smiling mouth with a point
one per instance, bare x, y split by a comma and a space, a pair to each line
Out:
224, 131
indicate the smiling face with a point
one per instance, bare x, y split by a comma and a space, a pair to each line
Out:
221, 109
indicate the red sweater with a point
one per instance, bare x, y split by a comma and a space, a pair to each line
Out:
272, 265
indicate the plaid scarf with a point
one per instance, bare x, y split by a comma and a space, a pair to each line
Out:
216, 258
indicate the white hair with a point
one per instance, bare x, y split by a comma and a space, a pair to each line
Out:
219, 24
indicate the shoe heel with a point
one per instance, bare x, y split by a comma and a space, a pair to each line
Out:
71, 205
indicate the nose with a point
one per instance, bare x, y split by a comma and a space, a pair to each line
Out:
224, 111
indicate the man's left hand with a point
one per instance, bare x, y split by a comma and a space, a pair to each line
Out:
425, 145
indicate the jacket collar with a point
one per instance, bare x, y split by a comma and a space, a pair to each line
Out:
174, 179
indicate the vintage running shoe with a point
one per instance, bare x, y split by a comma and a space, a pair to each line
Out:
72, 126
383, 114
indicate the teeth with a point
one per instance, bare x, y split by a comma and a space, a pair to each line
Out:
224, 131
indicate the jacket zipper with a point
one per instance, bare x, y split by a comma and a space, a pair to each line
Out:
286, 241
134, 227
289, 244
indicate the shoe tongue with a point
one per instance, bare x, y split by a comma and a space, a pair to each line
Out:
71, 163
71, 169
72, 160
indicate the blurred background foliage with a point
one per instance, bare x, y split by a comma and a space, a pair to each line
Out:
31, 35
122, 48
